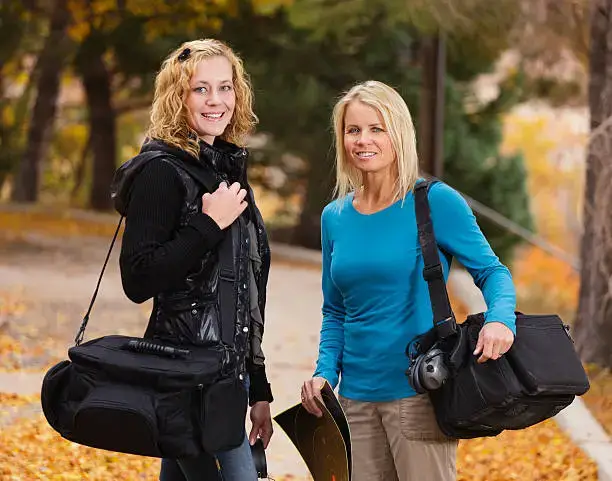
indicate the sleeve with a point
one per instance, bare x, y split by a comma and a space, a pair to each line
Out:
331, 344
156, 252
458, 233
259, 387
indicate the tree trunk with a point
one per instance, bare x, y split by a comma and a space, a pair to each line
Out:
102, 119
432, 58
320, 182
49, 71
593, 326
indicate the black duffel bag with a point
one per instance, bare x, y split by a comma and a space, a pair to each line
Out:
538, 377
147, 397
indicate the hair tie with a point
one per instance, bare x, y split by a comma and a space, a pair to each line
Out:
184, 55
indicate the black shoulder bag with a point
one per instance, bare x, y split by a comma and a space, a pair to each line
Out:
138, 396
538, 377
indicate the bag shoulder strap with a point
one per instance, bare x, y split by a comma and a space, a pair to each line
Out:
227, 291
443, 316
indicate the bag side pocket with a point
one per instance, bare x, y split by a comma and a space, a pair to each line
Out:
178, 436
54, 397
118, 418
223, 414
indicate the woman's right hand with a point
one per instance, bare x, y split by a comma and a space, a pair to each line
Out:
225, 204
311, 390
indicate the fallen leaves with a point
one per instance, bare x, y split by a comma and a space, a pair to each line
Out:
11, 307
31, 450
15, 400
599, 398
542, 452
14, 356
57, 223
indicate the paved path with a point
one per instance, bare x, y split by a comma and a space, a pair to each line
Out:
56, 279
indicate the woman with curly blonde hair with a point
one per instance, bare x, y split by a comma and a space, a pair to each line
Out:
201, 115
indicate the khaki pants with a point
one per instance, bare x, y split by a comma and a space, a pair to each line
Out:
399, 441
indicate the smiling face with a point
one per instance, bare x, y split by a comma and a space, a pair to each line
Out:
366, 141
211, 99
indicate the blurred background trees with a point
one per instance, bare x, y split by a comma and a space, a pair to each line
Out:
76, 81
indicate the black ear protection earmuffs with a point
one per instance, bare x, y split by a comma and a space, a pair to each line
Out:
427, 372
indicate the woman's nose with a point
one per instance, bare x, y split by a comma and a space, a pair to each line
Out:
213, 98
363, 138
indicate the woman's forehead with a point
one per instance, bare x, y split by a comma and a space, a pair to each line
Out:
358, 111
213, 69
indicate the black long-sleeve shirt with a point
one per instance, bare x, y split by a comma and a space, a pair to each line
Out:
157, 252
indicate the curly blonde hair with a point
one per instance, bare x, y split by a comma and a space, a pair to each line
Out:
169, 113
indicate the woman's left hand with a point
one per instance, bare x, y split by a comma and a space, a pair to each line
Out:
261, 420
494, 340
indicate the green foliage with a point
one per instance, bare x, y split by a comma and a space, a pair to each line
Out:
298, 76
474, 166
19, 37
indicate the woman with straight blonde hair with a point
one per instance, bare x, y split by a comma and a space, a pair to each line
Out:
375, 300
185, 192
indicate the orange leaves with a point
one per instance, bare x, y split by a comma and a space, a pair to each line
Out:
599, 398
54, 223
10, 305
14, 400
545, 284
162, 17
30, 450
541, 453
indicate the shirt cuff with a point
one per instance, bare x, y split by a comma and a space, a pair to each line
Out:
259, 389
509, 323
206, 226
330, 376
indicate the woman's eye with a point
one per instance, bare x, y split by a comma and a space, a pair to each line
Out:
352, 130
200, 90
377, 129
226, 88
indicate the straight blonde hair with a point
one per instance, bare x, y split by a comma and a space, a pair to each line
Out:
398, 123
169, 113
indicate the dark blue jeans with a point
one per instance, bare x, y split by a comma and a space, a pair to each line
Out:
236, 465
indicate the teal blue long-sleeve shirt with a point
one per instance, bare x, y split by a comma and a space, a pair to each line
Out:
375, 299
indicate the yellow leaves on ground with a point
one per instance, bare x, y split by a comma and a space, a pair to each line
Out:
15, 400
31, 450
57, 224
10, 353
599, 398
10, 305
14, 356
541, 453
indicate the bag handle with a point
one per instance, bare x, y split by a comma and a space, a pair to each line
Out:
227, 279
443, 316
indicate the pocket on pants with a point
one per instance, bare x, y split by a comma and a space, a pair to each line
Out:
418, 420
